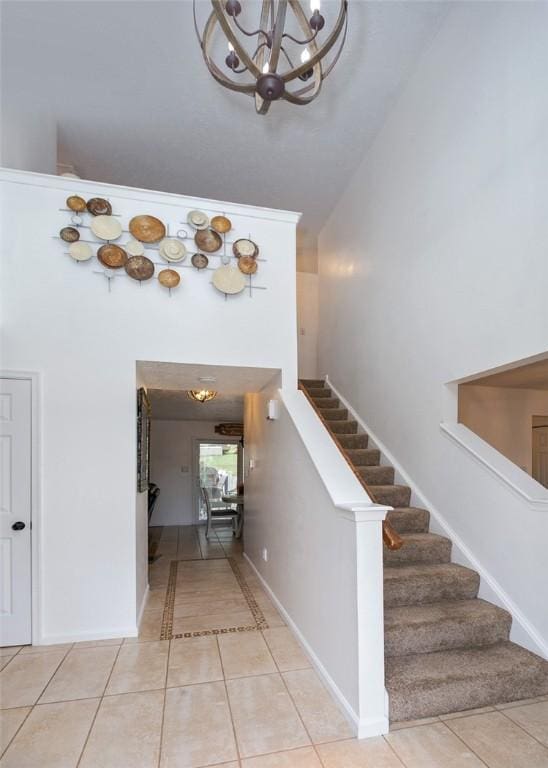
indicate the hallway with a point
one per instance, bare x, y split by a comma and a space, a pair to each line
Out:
216, 678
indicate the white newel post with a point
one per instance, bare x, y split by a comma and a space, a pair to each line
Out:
373, 703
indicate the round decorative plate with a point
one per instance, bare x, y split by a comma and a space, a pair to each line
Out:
245, 247
172, 249
98, 206
106, 227
221, 224
200, 261
228, 280
76, 203
169, 278
139, 268
207, 240
135, 248
69, 234
147, 229
247, 264
80, 251
198, 219
112, 256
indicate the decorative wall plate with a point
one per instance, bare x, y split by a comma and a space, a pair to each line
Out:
147, 229
172, 249
106, 227
135, 248
207, 240
169, 278
198, 219
69, 234
98, 206
221, 224
112, 256
139, 268
228, 280
200, 261
247, 264
245, 247
80, 251
76, 203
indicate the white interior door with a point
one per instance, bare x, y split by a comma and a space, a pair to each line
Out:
540, 452
15, 511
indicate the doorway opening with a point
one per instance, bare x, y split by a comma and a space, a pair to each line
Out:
218, 467
540, 450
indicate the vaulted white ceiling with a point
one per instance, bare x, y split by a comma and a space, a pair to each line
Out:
135, 104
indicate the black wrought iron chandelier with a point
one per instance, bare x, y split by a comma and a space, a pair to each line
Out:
269, 69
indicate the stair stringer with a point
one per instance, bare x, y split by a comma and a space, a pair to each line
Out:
522, 632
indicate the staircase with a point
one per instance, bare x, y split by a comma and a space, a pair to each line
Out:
445, 649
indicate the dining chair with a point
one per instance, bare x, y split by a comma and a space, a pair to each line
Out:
219, 512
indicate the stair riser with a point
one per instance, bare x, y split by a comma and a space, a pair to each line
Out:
353, 441
343, 427
377, 475
316, 394
313, 383
437, 551
326, 402
395, 496
334, 414
409, 520
361, 457
417, 590
446, 635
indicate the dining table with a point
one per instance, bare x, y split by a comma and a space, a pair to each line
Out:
238, 500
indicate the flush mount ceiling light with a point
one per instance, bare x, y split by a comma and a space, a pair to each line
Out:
280, 55
202, 395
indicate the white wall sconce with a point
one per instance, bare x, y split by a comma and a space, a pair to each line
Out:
272, 410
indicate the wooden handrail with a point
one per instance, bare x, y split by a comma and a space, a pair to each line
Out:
390, 536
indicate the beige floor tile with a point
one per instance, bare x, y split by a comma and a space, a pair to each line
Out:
499, 742
4, 661
10, 721
323, 719
82, 675
151, 625
431, 746
25, 677
305, 757
45, 648
194, 660
52, 736
264, 716
366, 753
208, 605
197, 727
413, 723
287, 652
533, 718
183, 595
215, 621
139, 667
244, 654
126, 732
10, 650
156, 599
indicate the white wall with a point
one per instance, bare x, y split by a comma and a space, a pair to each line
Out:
307, 321
62, 322
171, 449
433, 267
503, 417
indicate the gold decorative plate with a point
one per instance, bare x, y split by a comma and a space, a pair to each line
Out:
207, 240
147, 229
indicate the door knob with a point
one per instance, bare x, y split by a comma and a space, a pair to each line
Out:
18, 526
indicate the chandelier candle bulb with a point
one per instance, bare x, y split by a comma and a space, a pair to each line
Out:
305, 56
314, 5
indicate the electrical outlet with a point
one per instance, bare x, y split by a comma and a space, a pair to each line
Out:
265, 554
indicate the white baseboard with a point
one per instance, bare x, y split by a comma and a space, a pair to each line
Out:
363, 729
523, 632
143, 604
80, 637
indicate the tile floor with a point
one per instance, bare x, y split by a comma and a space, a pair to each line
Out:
238, 699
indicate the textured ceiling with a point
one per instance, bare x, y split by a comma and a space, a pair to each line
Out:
175, 405
227, 379
532, 376
136, 106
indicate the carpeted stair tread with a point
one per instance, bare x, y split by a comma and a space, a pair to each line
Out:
342, 427
444, 626
353, 441
317, 393
363, 457
419, 548
392, 495
420, 583
377, 475
409, 519
427, 684
333, 414
326, 403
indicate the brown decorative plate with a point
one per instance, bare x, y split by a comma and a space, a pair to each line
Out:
69, 234
147, 229
112, 256
200, 261
207, 240
139, 267
221, 224
247, 265
169, 278
98, 206
245, 247
76, 203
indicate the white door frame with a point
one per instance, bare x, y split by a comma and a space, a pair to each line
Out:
35, 508
195, 466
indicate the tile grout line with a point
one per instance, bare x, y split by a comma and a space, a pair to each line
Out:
393, 749
468, 747
238, 753
502, 712
24, 720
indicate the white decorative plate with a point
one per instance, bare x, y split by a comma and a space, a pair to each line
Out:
198, 219
172, 249
134, 248
228, 280
106, 227
80, 251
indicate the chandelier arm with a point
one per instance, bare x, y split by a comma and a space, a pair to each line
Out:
267, 9
245, 32
285, 53
325, 48
213, 68
301, 42
239, 49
